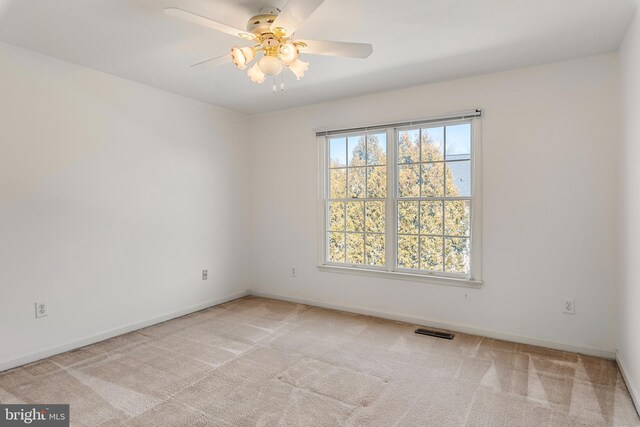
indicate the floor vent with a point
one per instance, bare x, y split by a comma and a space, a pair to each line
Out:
443, 335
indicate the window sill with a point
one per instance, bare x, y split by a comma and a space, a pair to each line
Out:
399, 275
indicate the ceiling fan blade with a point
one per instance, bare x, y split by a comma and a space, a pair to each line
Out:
206, 22
328, 48
213, 62
294, 13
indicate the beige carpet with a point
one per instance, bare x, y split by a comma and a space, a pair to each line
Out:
256, 361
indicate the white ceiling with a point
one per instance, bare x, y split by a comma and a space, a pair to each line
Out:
415, 42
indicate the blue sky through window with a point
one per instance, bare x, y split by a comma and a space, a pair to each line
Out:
459, 141
338, 148
338, 152
458, 144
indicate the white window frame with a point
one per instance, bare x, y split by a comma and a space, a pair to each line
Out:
474, 279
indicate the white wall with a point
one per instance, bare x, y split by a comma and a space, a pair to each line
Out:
550, 157
629, 289
113, 197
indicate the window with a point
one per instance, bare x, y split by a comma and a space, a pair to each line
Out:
404, 200
357, 199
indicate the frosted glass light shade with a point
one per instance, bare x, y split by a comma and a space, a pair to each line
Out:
270, 65
241, 56
256, 75
288, 53
298, 68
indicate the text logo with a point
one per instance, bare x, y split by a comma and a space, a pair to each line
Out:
34, 415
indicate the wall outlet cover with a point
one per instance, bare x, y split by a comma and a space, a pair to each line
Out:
569, 306
42, 308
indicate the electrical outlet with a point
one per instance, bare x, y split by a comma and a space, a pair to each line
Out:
42, 309
569, 306
293, 272
205, 274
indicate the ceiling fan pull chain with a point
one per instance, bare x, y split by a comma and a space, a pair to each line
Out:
274, 84
282, 82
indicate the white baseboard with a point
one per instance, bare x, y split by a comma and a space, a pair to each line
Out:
33, 357
633, 391
445, 325
8, 364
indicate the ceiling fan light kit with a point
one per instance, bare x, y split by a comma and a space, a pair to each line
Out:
270, 65
288, 52
256, 75
241, 56
298, 68
272, 31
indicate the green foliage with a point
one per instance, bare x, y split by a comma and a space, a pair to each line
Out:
421, 224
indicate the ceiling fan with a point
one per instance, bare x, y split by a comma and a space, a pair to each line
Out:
272, 33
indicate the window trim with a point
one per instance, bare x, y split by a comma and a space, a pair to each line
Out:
474, 279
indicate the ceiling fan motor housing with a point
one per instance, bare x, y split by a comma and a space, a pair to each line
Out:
261, 23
